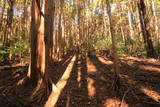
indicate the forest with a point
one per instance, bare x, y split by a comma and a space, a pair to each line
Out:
79, 53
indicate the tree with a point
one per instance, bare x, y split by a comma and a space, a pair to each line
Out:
61, 30
130, 19
8, 29
144, 22
2, 15
25, 20
116, 83
156, 23
41, 34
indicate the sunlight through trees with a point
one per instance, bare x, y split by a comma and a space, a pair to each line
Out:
79, 53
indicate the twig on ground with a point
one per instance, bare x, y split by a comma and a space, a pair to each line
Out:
121, 104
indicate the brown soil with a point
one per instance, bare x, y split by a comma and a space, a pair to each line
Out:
89, 84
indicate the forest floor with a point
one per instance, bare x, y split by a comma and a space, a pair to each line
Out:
90, 81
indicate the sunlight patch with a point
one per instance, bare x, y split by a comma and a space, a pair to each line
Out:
152, 94
90, 67
147, 60
151, 68
113, 102
132, 58
105, 61
79, 78
91, 88
57, 88
62, 82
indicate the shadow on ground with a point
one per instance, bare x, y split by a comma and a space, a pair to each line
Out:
11, 75
91, 87
90, 83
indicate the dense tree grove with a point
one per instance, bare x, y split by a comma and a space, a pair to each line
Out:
46, 31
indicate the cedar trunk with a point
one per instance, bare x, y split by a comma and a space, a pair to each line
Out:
37, 44
116, 83
144, 21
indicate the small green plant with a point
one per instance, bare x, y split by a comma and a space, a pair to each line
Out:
3, 52
16, 48
102, 43
19, 47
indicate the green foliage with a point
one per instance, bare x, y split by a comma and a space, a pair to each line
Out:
16, 48
19, 47
132, 47
121, 48
157, 2
3, 53
102, 43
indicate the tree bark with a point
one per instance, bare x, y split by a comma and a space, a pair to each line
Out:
122, 26
116, 83
156, 25
60, 35
145, 29
25, 21
2, 16
8, 29
41, 47
130, 19
37, 75
37, 44
49, 19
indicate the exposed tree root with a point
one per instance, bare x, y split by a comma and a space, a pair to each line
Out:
42, 91
116, 84
125, 93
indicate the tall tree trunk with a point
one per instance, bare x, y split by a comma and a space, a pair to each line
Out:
122, 25
48, 39
37, 43
138, 24
25, 20
2, 16
8, 29
116, 83
37, 47
60, 35
130, 19
156, 25
79, 25
49, 19
145, 29
62, 26
41, 38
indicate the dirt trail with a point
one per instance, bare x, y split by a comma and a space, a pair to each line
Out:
89, 84
91, 79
